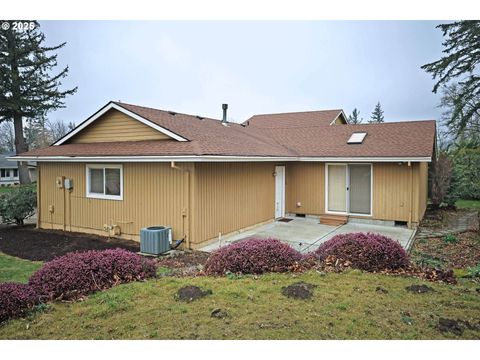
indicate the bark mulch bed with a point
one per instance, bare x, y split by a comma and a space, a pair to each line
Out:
183, 263
462, 253
29, 243
183, 259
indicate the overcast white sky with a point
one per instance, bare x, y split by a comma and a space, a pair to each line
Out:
255, 67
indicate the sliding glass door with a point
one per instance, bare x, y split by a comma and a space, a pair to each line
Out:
349, 188
360, 188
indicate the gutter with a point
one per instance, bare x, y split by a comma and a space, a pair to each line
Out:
216, 158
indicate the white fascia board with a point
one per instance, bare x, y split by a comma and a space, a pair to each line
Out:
126, 112
214, 158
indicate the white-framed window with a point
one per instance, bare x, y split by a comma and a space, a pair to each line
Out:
105, 181
3, 173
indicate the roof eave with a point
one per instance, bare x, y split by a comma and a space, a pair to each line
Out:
220, 158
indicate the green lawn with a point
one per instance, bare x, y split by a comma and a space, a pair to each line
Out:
4, 189
468, 204
15, 269
344, 306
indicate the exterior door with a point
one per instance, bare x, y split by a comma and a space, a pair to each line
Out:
337, 188
279, 191
360, 176
349, 189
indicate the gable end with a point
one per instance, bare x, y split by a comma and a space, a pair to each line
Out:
113, 123
114, 126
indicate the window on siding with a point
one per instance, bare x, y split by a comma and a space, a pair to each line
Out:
105, 181
3, 173
15, 172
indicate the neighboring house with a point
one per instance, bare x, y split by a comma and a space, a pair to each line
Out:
132, 167
9, 170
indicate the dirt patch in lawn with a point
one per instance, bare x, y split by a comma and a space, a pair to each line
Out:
300, 290
456, 326
461, 251
29, 243
191, 293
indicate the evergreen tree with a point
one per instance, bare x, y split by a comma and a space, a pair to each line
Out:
355, 117
460, 63
377, 115
454, 130
28, 90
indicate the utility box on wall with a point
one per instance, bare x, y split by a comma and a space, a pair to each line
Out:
68, 183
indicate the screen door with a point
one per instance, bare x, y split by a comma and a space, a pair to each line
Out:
360, 176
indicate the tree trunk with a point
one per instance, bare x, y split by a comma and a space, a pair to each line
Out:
20, 147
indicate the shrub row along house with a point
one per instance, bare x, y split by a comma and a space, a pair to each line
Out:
128, 167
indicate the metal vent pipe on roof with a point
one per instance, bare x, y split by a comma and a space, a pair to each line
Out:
224, 107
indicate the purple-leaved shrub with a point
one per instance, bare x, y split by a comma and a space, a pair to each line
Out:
76, 274
252, 256
15, 300
369, 252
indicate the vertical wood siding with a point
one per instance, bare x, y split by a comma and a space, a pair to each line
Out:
394, 192
115, 126
231, 196
213, 198
305, 183
153, 194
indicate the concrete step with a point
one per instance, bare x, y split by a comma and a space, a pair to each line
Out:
333, 220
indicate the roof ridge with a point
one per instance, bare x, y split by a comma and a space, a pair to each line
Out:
296, 112
394, 122
167, 111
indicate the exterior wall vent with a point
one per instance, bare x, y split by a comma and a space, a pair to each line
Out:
155, 240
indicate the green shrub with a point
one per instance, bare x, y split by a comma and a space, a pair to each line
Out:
18, 204
426, 261
465, 175
450, 239
474, 272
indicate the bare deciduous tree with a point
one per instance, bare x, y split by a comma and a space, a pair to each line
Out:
59, 129
7, 137
441, 173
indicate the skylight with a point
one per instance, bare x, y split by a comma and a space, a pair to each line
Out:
357, 138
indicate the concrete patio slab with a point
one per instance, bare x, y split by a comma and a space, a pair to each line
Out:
306, 234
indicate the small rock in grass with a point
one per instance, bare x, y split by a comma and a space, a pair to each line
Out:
299, 290
191, 293
381, 289
219, 314
419, 289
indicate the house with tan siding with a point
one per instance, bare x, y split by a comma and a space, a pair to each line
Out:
128, 167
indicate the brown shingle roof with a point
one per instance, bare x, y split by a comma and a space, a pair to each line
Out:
304, 134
